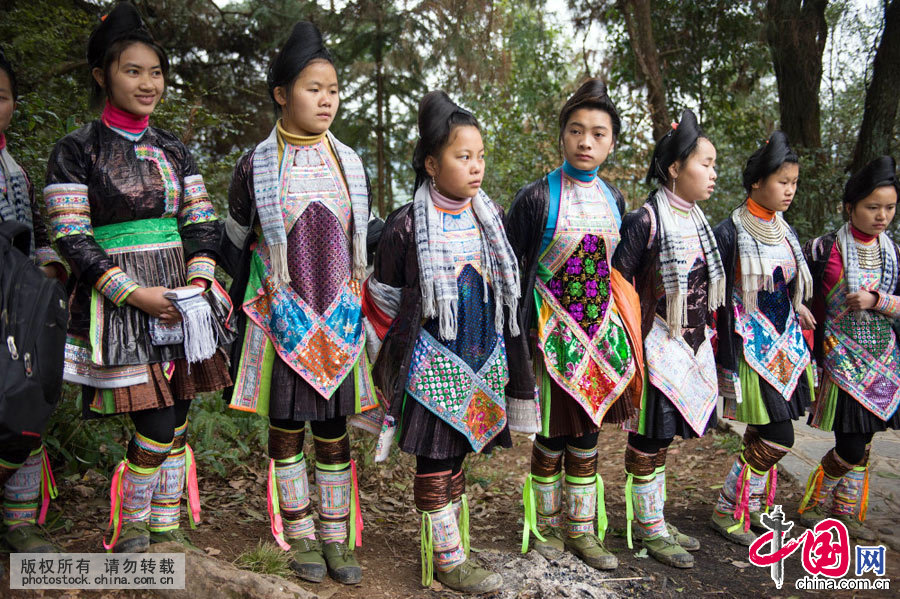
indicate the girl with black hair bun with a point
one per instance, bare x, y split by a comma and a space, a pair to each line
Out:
668, 249
564, 228
23, 461
765, 370
305, 195
442, 301
856, 283
130, 213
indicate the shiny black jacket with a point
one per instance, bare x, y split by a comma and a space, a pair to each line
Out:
525, 223
121, 188
397, 265
637, 258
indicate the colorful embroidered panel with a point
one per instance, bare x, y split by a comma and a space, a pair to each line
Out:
169, 178
322, 348
461, 232
861, 355
314, 176
583, 210
81, 370
202, 267
688, 380
774, 346
462, 381
471, 402
196, 207
116, 285
581, 286
580, 331
68, 209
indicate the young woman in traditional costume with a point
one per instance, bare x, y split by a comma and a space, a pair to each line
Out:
25, 475
564, 228
302, 357
765, 371
445, 285
129, 212
668, 248
857, 300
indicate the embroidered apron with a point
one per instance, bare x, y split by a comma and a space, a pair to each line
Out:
315, 323
861, 356
773, 341
580, 332
462, 381
689, 380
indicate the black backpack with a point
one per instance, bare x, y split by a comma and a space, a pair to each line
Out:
33, 319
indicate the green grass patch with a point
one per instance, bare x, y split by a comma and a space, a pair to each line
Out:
265, 558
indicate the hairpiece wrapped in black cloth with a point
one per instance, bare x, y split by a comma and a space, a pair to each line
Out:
7, 66
878, 173
123, 22
677, 144
768, 159
438, 114
303, 46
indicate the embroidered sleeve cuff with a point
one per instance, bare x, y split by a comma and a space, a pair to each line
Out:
889, 305
201, 267
116, 285
196, 207
47, 256
68, 209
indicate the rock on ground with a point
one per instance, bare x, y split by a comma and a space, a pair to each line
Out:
210, 578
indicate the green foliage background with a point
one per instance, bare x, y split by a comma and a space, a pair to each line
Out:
511, 62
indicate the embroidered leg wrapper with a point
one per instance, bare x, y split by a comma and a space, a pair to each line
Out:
441, 544
290, 510
542, 492
179, 466
749, 475
584, 489
133, 483
22, 491
338, 494
851, 494
644, 496
822, 481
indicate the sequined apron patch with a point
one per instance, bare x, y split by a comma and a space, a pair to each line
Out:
689, 380
473, 403
321, 348
580, 332
862, 356
780, 358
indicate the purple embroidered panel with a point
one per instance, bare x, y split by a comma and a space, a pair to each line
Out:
582, 284
318, 257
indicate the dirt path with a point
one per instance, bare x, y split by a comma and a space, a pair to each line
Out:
235, 520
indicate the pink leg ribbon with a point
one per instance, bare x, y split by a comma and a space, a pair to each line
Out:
193, 493
115, 505
275, 509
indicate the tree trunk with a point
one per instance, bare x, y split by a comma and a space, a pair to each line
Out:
796, 31
877, 129
643, 44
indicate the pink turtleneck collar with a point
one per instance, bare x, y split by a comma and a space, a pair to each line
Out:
860, 235
116, 118
678, 202
2, 141
442, 202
